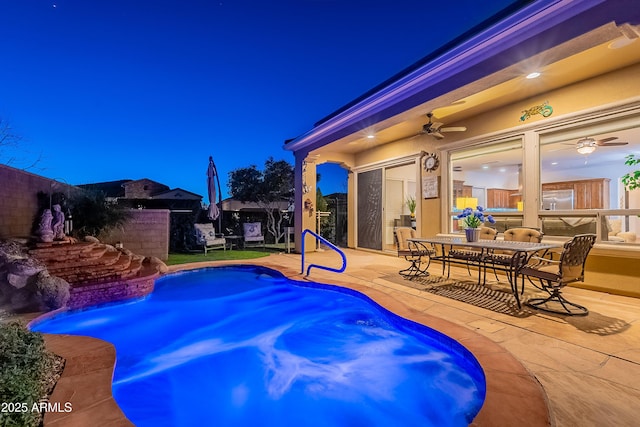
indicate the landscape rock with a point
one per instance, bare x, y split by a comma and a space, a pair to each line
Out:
51, 291
25, 267
156, 262
17, 281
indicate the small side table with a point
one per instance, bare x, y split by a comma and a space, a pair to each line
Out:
288, 232
233, 240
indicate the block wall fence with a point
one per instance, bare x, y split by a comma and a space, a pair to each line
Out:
146, 233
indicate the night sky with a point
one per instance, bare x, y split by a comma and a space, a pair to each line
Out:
130, 89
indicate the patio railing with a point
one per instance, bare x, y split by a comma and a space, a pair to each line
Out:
330, 245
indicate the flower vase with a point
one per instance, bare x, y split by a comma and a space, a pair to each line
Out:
473, 234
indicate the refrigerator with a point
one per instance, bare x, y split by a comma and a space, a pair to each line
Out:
557, 200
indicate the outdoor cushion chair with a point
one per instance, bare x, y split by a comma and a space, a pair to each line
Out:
207, 238
252, 234
554, 275
503, 259
472, 255
417, 254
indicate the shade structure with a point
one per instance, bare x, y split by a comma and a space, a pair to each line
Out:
212, 179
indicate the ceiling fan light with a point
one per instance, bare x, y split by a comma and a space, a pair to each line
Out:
586, 149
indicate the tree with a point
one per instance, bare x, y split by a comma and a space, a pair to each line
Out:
267, 188
9, 141
7, 138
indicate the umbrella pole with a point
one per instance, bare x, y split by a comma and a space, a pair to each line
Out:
215, 170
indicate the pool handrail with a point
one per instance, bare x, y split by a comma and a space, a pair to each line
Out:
330, 245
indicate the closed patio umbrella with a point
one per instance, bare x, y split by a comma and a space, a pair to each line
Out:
212, 178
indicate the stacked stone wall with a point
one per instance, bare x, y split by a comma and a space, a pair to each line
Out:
86, 296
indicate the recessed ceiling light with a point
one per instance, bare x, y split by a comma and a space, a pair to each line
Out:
620, 42
371, 136
533, 75
485, 167
554, 163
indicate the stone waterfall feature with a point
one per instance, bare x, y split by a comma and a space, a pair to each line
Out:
95, 272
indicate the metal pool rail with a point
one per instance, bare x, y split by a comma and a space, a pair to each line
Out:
328, 243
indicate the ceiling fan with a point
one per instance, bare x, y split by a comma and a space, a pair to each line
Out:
436, 129
589, 145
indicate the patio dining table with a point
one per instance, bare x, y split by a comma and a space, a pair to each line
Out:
521, 253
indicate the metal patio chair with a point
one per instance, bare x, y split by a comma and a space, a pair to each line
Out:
553, 275
418, 255
501, 260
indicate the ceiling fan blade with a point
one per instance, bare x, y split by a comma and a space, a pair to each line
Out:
610, 144
573, 146
454, 129
604, 140
437, 135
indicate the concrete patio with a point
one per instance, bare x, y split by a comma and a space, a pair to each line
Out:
589, 367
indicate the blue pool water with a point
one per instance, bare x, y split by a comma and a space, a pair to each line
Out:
244, 346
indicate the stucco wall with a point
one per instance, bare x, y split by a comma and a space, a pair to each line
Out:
146, 233
608, 270
19, 201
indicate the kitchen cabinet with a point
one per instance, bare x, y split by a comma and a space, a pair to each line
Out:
461, 190
503, 198
587, 193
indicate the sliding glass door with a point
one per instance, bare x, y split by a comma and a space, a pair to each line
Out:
387, 199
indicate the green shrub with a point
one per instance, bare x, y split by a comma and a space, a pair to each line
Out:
24, 363
93, 214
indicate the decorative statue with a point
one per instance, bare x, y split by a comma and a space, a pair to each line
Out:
44, 228
58, 223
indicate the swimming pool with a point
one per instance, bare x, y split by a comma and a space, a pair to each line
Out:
236, 346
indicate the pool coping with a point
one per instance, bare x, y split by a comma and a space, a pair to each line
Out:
514, 396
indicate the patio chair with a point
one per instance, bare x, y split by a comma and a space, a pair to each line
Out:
207, 238
472, 255
554, 275
502, 260
252, 234
412, 252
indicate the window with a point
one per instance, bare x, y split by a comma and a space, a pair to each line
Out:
489, 176
580, 177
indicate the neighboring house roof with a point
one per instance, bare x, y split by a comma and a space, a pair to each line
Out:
144, 187
342, 196
178, 194
112, 189
233, 205
149, 189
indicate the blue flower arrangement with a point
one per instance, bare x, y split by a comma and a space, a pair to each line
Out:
474, 219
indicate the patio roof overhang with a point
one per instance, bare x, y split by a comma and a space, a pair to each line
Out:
534, 37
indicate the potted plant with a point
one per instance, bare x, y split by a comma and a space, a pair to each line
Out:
411, 204
472, 220
631, 180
